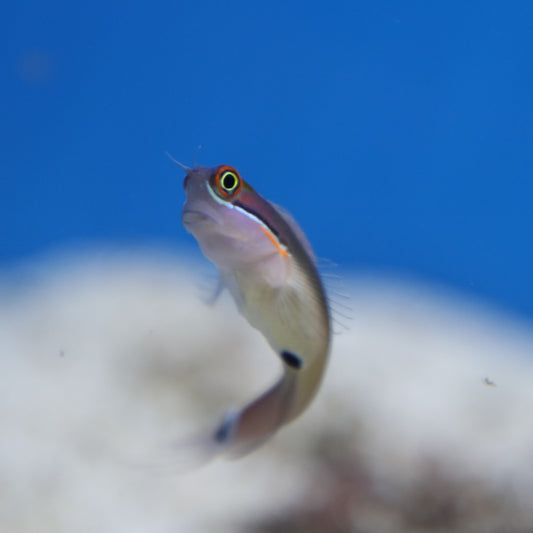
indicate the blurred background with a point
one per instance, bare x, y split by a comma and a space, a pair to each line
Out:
399, 135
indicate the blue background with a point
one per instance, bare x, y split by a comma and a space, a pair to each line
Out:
399, 134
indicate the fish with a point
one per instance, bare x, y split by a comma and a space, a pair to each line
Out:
266, 263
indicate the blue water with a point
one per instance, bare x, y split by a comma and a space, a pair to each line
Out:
400, 135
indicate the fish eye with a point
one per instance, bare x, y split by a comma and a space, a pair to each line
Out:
228, 181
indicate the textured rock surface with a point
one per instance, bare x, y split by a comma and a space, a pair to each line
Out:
422, 424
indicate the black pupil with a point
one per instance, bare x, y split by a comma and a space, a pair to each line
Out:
229, 181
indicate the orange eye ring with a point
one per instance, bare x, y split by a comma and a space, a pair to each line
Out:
228, 181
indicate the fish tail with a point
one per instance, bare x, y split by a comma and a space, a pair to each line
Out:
244, 430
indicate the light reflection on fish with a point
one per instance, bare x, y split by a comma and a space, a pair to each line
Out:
265, 261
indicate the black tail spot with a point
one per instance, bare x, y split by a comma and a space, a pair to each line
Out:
291, 360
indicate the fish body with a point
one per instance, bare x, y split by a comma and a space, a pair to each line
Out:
267, 264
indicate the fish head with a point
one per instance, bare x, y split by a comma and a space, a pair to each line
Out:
216, 214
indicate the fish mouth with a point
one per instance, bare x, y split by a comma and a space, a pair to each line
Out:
191, 218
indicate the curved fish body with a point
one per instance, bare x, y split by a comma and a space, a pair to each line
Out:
267, 264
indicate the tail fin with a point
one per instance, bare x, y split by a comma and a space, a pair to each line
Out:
243, 431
